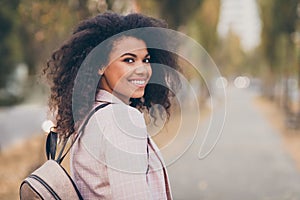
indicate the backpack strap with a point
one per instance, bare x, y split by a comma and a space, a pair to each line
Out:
51, 141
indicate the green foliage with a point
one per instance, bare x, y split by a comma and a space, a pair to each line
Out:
44, 25
230, 56
178, 12
279, 25
203, 26
31, 29
279, 20
9, 52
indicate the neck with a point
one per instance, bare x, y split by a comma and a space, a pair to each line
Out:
121, 97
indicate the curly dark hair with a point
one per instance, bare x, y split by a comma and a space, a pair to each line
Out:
63, 67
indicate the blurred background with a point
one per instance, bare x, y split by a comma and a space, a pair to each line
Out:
254, 43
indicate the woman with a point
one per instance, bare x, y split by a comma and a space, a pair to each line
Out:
110, 59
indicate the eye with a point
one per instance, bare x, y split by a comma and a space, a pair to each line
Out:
129, 60
146, 60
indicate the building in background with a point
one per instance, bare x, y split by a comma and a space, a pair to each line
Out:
242, 18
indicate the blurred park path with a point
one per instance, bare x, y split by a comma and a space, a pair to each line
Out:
20, 122
248, 163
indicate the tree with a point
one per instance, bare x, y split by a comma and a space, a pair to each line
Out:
279, 21
10, 55
231, 56
279, 24
203, 26
178, 12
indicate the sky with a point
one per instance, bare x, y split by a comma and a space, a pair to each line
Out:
242, 17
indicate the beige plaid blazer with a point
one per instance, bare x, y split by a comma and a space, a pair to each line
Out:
116, 159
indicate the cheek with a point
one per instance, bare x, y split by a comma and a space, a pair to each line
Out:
149, 71
119, 73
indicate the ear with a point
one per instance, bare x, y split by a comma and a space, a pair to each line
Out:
101, 71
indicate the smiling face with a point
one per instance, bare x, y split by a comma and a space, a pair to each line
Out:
128, 70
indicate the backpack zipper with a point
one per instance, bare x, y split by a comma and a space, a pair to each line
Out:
45, 185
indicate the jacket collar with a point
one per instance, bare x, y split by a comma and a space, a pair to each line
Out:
104, 96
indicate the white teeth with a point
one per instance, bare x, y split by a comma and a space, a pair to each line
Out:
138, 82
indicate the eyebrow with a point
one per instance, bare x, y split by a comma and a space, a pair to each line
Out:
133, 55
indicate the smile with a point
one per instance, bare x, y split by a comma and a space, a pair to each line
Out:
138, 82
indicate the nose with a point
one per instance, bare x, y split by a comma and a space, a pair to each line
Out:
141, 69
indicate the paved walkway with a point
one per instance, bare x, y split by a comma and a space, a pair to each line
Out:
248, 163
20, 122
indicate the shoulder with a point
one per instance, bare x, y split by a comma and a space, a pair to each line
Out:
124, 130
121, 114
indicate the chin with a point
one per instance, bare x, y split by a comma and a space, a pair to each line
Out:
137, 94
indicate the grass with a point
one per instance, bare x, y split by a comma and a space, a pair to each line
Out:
17, 162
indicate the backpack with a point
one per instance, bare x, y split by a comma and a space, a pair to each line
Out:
51, 180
